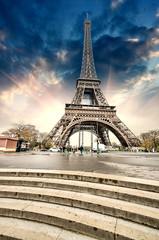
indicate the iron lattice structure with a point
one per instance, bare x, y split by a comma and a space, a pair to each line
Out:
88, 70
89, 110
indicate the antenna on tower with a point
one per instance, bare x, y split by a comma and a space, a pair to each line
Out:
88, 70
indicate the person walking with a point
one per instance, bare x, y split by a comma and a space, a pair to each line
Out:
81, 149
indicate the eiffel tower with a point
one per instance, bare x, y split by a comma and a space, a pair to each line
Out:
89, 110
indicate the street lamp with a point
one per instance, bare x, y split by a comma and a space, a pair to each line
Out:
79, 135
97, 137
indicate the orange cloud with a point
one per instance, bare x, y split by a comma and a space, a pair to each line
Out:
153, 54
132, 40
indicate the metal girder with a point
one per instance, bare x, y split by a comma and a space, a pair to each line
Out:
96, 116
88, 70
92, 90
88, 117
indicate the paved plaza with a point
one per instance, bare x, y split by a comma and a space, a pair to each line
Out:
140, 165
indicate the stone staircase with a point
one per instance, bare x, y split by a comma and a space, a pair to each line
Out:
70, 205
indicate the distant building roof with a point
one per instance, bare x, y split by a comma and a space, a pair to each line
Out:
7, 137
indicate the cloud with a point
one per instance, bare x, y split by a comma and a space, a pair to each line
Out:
137, 100
3, 34
30, 38
132, 40
142, 32
115, 4
62, 55
155, 41
3, 47
125, 57
34, 99
32, 85
157, 30
153, 54
41, 53
137, 110
144, 86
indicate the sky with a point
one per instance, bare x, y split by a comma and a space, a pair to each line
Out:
41, 44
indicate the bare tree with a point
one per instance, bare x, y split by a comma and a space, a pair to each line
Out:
150, 139
27, 132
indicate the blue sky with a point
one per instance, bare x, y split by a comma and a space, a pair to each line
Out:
41, 45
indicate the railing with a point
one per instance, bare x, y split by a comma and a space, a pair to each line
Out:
67, 105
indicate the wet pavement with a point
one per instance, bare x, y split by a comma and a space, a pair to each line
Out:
141, 165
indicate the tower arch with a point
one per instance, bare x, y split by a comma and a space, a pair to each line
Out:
92, 125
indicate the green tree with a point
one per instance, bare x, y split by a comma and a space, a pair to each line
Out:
48, 145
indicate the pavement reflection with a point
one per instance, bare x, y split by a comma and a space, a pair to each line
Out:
141, 165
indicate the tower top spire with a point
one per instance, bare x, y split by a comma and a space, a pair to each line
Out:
88, 70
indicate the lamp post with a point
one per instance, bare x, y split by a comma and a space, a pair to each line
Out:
97, 135
79, 144
82, 136
91, 137
97, 138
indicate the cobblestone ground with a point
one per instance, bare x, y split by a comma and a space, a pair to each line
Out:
141, 165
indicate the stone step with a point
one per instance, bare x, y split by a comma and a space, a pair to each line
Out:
86, 222
127, 194
135, 183
97, 206
12, 228
121, 209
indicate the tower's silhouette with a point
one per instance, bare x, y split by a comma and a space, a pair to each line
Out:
95, 115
